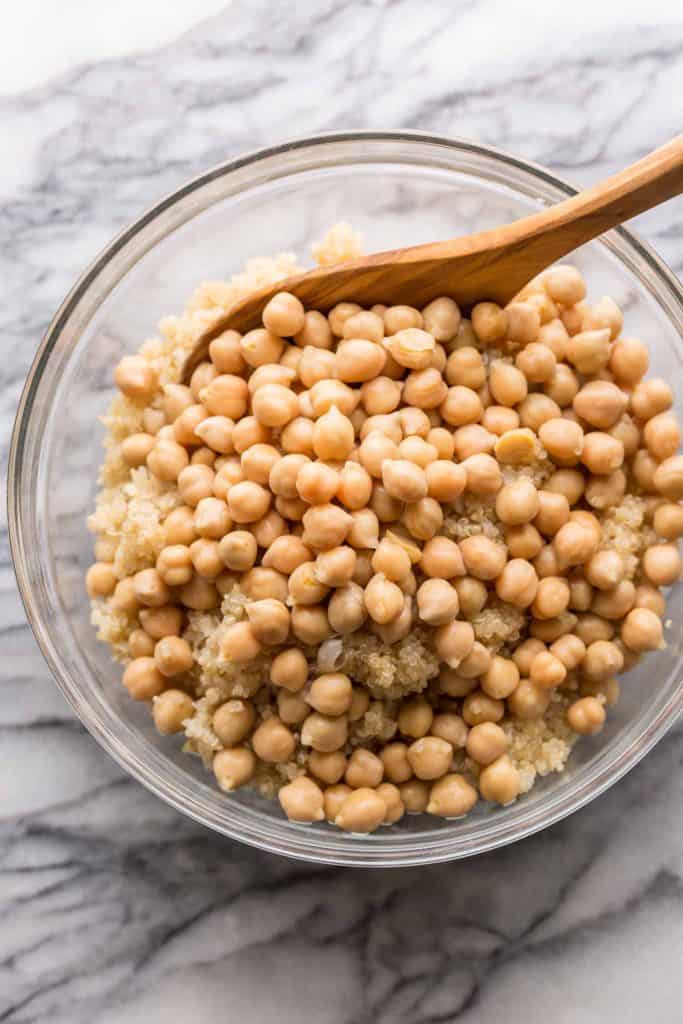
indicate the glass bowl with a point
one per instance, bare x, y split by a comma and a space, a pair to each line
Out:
398, 189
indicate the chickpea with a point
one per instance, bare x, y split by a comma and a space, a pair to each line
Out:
483, 474
523, 541
269, 621
661, 564
201, 378
381, 396
391, 560
394, 758
363, 811
489, 322
226, 395
445, 480
297, 436
274, 405
651, 397
437, 602
602, 659
499, 419
472, 440
136, 447
177, 397
335, 567
170, 710
461, 406
141, 644
430, 757
615, 602
562, 386
602, 453
442, 558
411, 347
415, 718
404, 480
499, 781
173, 655
604, 569
546, 562
310, 624
529, 701
289, 669
383, 599
563, 440
568, 482
329, 768
668, 521
334, 797
226, 354
507, 383
233, 721
212, 518
629, 361
354, 486
668, 477
465, 367
537, 362
517, 583
574, 544
199, 595
553, 334
260, 583
330, 694
136, 378
455, 685
346, 609
359, 360
325, 526
450, 797
150, 589
400, 318
547, 671
364, 530
324, 733
417, 451
517, 502
248, 502
196, 483
364, 769
591, 627
441, 318
272, 741
160, 622
234, 767
570, 650
374, 451
101, 580
143, 680
552, 598
240, 644
501, 678
586, 716
565, 285
304, 585
647, 596
167, 459
589, 351
478, 707
423, 518
302, 800
600, 403
642, 630
484, 558
605, 491
535, 410
662, 435
486, 743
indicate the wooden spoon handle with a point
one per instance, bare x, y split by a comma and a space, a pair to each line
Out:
562, 228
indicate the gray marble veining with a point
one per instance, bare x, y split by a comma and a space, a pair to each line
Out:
115, 910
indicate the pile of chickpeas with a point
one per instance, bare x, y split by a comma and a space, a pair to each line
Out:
315, 460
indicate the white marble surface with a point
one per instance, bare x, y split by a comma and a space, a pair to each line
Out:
117, 911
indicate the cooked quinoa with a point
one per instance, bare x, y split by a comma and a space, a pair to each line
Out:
444, 638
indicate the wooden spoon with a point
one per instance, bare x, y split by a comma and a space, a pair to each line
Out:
491, 265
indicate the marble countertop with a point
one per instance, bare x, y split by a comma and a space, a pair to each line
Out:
114, 909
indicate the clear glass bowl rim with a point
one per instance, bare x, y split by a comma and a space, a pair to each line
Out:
177, 788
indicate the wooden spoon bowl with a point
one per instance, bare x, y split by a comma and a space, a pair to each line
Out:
493, 265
